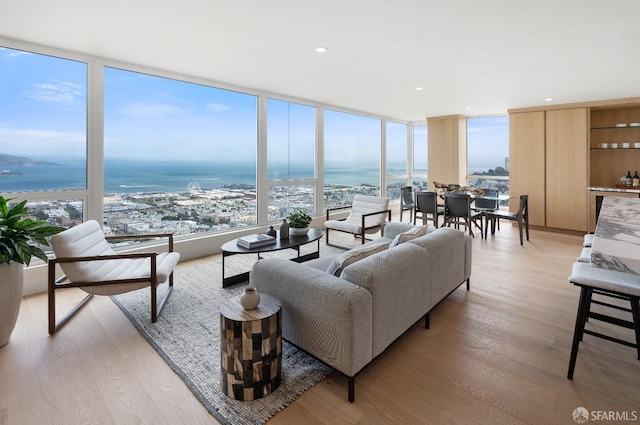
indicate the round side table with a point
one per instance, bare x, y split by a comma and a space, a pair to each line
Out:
251, 348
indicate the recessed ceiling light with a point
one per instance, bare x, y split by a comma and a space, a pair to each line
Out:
419, 88
321, 49
468, 108
549, 99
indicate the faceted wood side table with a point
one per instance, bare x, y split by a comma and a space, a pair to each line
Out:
251, 348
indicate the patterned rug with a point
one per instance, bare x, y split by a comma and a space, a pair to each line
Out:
187, 337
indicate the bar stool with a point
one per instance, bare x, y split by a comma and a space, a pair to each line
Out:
594, 280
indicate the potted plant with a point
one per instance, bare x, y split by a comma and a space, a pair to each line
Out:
19, 240
298, 222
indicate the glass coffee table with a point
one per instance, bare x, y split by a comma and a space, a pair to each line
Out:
294, 242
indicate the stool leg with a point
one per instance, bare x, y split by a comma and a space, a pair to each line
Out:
586, 313
635, 310
583, 306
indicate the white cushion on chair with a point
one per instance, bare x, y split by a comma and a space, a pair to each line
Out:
87, 240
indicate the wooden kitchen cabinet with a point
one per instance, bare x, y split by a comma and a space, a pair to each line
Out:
548, 160
566, 159
526, 163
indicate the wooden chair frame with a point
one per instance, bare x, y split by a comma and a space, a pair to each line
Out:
55, 284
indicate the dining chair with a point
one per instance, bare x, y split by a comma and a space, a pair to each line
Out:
428, 208
457, 211
521, 216
407, 202
487, 203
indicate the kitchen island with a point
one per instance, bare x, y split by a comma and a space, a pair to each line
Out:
598, 193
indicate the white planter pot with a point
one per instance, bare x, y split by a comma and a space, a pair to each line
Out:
10, 297
298, 231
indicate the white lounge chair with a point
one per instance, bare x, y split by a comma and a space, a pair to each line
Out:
368, 215
88, 262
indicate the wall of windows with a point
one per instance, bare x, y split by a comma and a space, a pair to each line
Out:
144, 152
488, 152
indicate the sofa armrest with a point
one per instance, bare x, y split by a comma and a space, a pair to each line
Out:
324, 315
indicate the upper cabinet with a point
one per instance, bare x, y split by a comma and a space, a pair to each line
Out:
615, 144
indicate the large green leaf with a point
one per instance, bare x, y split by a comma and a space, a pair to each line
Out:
20, 236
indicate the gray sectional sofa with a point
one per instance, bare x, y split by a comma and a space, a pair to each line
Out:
348, 320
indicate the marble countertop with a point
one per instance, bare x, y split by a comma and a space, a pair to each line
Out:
613, 189
616, 245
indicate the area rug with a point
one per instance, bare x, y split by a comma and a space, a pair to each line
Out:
187, 337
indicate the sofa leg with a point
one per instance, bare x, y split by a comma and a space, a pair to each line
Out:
468, 283
352, 389
427, 322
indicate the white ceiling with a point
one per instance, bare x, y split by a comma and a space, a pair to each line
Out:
489, 55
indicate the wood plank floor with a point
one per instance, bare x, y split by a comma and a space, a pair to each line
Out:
497, 354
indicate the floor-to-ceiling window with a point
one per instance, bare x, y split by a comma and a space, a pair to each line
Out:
488, 152
146, 151
396, 154
420, 157
43, 134
351, 157
291, 144
178, 157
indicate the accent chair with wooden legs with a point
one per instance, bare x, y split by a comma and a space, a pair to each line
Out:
368, 215
89, 263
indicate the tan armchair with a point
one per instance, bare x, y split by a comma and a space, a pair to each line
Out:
88, 262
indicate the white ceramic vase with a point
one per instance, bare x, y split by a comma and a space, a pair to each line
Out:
11, 285
298, 231
250, 298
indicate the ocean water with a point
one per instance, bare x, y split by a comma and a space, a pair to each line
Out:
122, 176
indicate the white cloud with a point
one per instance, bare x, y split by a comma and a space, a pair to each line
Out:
62, 92
217, 107
152, 110
10, 53
42, 141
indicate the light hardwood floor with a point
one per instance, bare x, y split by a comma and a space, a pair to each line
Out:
497, 354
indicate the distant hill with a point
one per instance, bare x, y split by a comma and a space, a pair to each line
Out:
7, 160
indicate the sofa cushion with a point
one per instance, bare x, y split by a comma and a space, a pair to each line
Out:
353, 255
410, 234
393, 229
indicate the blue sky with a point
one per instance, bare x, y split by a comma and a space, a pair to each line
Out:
43, 114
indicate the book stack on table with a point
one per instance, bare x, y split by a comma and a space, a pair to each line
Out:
255, 240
